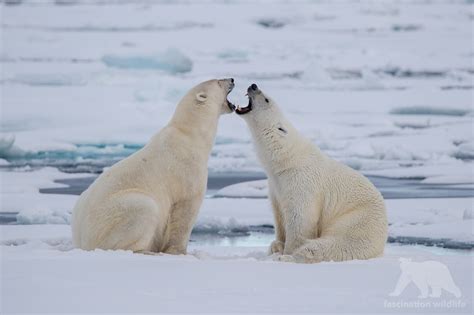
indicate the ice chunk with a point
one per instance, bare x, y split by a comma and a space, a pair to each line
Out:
4, 162
252, 189
429, 110
233, 55
271, 23
13, 2
171, 61
400, 72
66, 2
49, 79
465, 151
7, 147
43, 216
406, 27
231, 227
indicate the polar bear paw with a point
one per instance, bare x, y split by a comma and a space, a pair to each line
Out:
308, 255
175, 251
277, 247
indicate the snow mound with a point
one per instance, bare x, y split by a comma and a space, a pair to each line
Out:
43, 216
221, 227
252, 189
429, 110
4, 162
233, 55
465, 151
171, 61
7, 147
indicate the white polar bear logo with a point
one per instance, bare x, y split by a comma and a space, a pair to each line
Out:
424, 275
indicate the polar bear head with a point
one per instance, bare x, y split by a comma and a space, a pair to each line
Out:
201, 107
263, 113
209, 97
274, 135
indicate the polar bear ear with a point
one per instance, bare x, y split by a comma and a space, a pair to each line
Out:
201, 97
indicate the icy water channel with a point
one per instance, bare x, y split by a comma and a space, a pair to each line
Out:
263, 235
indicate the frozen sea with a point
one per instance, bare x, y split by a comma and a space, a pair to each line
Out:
383, 86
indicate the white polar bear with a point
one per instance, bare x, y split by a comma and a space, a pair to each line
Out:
149, 201
323, 210
424, 275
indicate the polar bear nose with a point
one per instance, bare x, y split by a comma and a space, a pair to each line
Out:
232, 80
254, 87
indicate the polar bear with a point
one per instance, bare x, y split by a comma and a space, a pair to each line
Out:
323, 210
424, 275
149, 201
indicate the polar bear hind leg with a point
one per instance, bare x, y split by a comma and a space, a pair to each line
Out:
347, 238
129, 222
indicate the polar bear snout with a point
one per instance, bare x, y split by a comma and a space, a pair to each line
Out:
252, 92
257, 100
228, 85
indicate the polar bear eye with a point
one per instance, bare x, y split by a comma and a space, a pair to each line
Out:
282, 130
266, 100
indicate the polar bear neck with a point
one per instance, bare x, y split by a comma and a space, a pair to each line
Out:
200, 126
278, 144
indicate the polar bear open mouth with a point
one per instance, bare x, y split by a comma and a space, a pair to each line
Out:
244, 110
229, 103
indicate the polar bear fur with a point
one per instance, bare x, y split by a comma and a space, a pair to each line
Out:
149, 201
323, 210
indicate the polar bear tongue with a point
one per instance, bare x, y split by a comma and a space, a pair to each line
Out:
244, 110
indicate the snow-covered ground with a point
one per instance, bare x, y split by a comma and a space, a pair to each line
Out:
227, 268
41, 273
383, 86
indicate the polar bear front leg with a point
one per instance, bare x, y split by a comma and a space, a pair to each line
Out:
297, 227
278, 245
180, 224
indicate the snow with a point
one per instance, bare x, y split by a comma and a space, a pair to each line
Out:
52, 277
26, 180
172, 61
251, 189
456, 173
385, 87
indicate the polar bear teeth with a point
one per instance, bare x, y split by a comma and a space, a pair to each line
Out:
243, 110
230, 105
